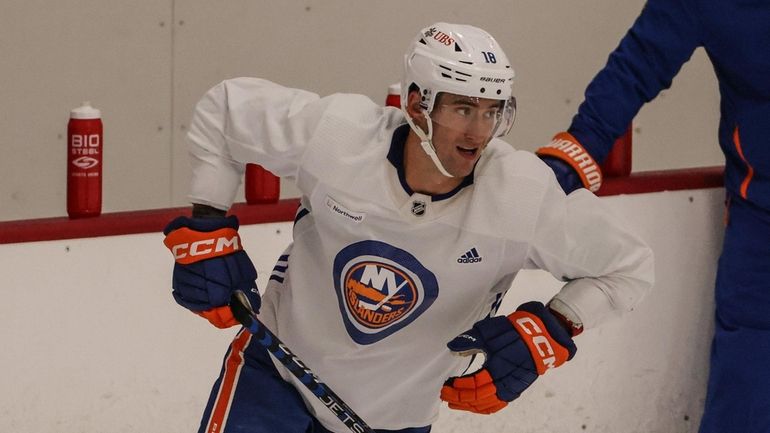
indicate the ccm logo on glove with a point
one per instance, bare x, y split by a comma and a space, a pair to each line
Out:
518, 348
541, 345
189, 246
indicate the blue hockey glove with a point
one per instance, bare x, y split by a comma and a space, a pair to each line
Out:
571, 163
518, 349
565, 174
210, 264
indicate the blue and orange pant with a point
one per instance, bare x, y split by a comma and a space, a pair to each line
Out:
250, 396
738, 396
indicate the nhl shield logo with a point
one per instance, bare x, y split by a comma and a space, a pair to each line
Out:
418, 208
380, 289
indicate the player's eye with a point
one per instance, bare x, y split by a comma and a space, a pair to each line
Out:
463, 110
491, 114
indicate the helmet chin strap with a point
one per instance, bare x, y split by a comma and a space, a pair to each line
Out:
426, 142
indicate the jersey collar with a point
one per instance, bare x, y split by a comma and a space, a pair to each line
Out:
396, 157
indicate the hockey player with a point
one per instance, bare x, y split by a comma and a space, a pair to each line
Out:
412, 225
736, 37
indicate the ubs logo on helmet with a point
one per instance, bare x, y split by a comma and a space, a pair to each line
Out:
380, 289
439, 36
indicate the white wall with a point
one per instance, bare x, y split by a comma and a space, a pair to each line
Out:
145, 63
93, 342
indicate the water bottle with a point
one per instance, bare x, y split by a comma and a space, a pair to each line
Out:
84, 162
394, 96
261, 186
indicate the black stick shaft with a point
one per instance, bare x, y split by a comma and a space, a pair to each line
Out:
243, 312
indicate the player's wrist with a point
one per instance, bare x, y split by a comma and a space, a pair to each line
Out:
566, 317
202, 224
206, 211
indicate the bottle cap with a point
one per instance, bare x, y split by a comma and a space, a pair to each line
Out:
85, 111
394, 89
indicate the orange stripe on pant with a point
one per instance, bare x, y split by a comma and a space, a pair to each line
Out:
750, 174
233, 366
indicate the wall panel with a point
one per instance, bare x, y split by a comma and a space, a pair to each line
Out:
145, 64
56, 55
349, 46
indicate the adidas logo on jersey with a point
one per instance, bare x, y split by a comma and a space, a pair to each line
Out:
471, 256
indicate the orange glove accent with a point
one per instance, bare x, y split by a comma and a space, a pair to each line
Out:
567, 148
221, 317
476, 393
190, 246
546, 352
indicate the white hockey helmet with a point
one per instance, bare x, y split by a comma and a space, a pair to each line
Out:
462, 60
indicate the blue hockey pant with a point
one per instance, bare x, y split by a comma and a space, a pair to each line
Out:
250, 396
738, 396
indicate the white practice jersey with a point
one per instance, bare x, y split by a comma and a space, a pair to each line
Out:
379, 278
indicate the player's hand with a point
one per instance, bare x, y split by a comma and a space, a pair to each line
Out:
571, 163
210, 264
518, 349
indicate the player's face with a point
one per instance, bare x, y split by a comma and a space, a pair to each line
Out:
462, 127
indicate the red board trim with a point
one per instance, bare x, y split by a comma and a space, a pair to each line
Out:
125, 223
148, 221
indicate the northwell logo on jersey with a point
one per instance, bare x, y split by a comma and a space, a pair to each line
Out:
470, 256
342, 211
380, 289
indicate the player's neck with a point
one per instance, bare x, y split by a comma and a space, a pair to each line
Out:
422, 175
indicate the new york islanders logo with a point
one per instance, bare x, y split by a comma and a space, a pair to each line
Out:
380, 289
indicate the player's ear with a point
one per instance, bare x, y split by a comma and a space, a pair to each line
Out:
414, 110
413, 106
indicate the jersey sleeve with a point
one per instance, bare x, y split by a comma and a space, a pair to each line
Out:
646, 61
247, 120
607, 267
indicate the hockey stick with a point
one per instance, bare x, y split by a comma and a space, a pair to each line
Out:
243, 312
